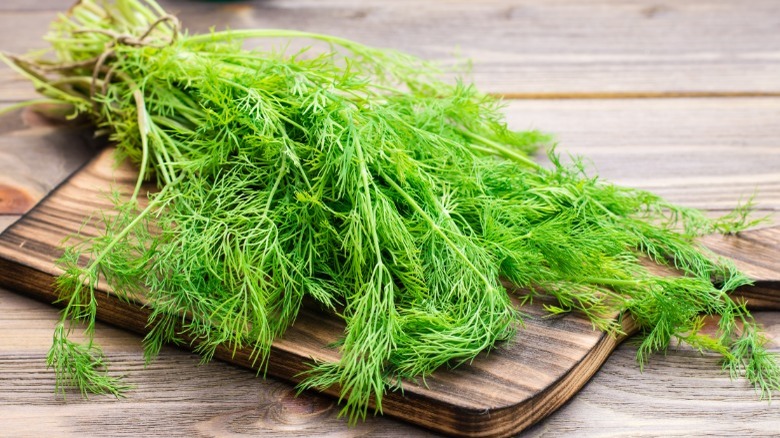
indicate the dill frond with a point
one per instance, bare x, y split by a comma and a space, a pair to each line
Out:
81, 366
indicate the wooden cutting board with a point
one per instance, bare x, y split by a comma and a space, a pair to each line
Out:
498, 394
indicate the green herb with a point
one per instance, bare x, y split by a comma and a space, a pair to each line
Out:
356, 177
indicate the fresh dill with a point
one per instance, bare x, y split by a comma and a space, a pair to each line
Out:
356, 177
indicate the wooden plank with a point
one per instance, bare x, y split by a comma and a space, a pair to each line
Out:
594, 48
6, 220
703, 153
36, 155
23, 31
754, 253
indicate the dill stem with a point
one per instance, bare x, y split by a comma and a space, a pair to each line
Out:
282, 171
40, 83
144, 130
119, 236
27, 103
84, 80
604, 208
167, 138
438, 230
165, 162
612, 281
372, 215
502, 150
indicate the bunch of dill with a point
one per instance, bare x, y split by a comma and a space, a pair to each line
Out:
353, 176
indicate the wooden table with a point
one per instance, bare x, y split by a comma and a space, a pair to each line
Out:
682, 99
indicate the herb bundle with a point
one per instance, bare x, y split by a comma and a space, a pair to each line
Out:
356, 177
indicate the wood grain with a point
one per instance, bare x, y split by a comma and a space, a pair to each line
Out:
36, 154
541, 49
703, 153
756, 254
7, 219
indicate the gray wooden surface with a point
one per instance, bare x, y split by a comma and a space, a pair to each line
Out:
682, 99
